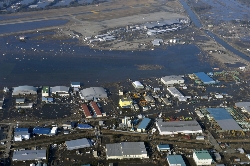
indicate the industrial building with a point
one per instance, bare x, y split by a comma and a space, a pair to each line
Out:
84, 126
205, 79
176, 93
126, 150
41, 131
175, 160
21, 134
137, 85
175, 127
125, 102
20, 101
223, 119
202, 157
245, 106
24, 106
78, 143
23, 155
86, 111
60, 90
75, 84
163, 147
24, 90
45, 91
93, 92
54, 131
171, 80
96, 109
143, 125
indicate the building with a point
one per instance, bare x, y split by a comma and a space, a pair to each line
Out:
60, 90
54, 131
24, 155
96, 109
24, 106
245, 106
1, 103
223, 118
176, 93
84, 126
45, 91
143, 125
93, 92
171, 80
24, 90
86, 111
202, 157
205, 79
21, 134
125, 150
163, 147
175, 160
75, 84
137, 85
176, 127
41, 131
149, 99
125, 102
78, 143
20, 101
217, 157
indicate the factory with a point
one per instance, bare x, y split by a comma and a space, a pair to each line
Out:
176, 127
24, 155
21, 134
176, 93
93, 92
137, 85
126, 150
78, 143
24, 90
205, 79
96, 109
202, 157
143, 125
60, 90
171, 80
175, 160
86, 111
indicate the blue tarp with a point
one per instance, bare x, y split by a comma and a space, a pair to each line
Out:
40, 130
204, 78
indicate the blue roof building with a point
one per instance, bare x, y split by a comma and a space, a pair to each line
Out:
163, 147
204, 78
143, 125
41, 131
21, 129
84, 126
175, 160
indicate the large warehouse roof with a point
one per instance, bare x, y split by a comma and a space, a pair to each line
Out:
204, 78
144, 123
25, 89
224, 119
29, 155
93, 92
176, 160
175, 92
161, 23
77, 144
56, 89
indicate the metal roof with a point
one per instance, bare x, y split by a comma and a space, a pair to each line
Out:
174, 126
144, 123
40, 130
175, 92
203, 154
21, 133
86, 110
77, 144
29, 155
204, 78
75, 83
172, 77
163, 146
161, 23
25, 89
95, 108
21, 100
176, 159
224, 119
21, 129
137, 84
56, 89
84, 126
93, 92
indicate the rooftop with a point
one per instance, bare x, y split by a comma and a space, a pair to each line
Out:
176, 159
144, 123
179, 125
78, 143
204, 78
45, 89
203, 154
29, 155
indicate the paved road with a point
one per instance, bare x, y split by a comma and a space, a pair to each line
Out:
8, 140
213, 142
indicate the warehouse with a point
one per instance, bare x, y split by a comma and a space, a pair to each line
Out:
223, 119
24, 90
84, 126
93, 92
159, 24
86, 111
75, 84
137, 85
125, 150
143, 125
202, 157
171, 80
176, 127
41, 131
21, 134
174, 92
20, 101
60, 90
29, 155
78, 143
96, 109
175, 160
125, 102
45, 91
205, 79
163, 147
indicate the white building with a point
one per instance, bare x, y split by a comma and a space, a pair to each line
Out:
176, 93
202, 157
54, 130
137, 85
93, 92
60, 90
171, 80
75, 84
21, 135
24, 90
126, 150
175, 127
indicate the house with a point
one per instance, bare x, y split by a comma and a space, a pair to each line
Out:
163, 147
202, 157
67, 125
125, 102
45, 91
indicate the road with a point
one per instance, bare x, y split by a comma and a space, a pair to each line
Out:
8, 141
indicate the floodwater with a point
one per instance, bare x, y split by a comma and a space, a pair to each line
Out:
63, 3
10, 28
54, 62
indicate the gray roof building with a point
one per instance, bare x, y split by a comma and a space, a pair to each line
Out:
24, 90
78, 143
29, 155
175, 160
173, 79
93, 92
59, 89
